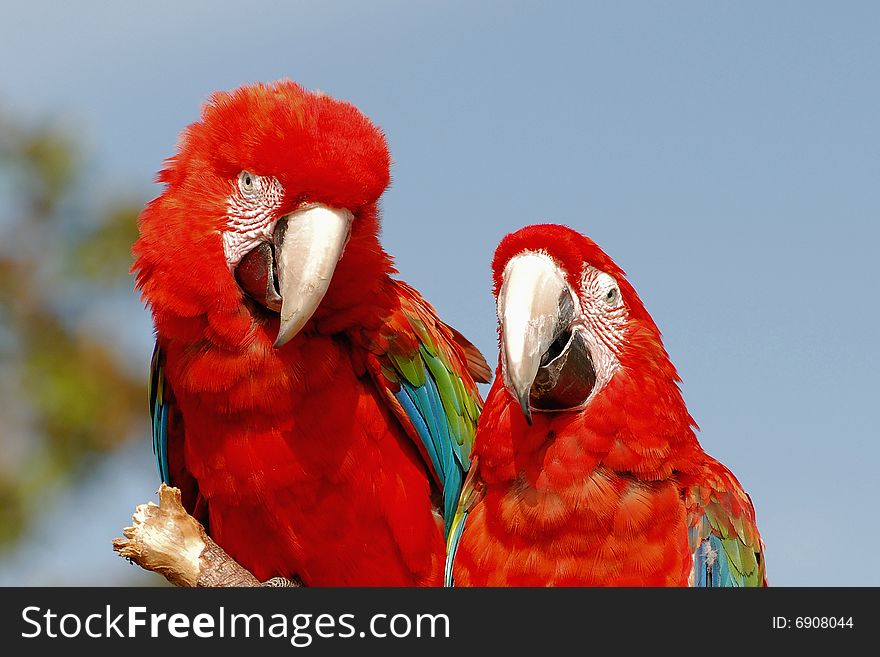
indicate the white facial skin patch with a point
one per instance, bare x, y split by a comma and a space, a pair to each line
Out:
602, 324
603, 307
252, 214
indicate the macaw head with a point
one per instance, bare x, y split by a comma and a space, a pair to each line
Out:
569, 321
266, 193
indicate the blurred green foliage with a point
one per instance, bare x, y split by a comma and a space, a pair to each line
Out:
65, 395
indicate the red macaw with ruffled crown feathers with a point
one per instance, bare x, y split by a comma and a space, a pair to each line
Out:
315, 412
586, 468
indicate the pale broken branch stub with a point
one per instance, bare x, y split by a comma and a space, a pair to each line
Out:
165, 539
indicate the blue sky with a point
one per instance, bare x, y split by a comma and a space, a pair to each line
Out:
727, 155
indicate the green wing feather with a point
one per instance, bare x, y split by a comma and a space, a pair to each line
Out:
723, 534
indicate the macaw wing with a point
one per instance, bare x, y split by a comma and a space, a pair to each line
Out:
723, 535
168, 439
426, 372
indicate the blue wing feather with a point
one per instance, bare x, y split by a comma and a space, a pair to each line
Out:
160, 443
406, 398
712, 567
423, 406
159, 415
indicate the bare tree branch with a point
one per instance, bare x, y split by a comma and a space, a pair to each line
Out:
165, 539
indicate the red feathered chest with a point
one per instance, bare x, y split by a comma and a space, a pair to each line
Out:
303, 468
571, 502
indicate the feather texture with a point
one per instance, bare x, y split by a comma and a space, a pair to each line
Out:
722, 532
424, 372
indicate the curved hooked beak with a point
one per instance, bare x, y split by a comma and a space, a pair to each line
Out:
308, 245
290, 275
546, 362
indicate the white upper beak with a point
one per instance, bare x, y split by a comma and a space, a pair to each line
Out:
528, 310
307, 256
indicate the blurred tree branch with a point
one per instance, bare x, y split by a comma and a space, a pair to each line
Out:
65, 395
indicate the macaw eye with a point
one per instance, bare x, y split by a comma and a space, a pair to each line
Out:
247, 182
611, 296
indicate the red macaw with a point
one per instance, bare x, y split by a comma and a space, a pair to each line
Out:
586, 467
315, 412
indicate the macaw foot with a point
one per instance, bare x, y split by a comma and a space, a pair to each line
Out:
165, 539
281, 582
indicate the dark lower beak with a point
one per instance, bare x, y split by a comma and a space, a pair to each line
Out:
256, 274
567, 378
